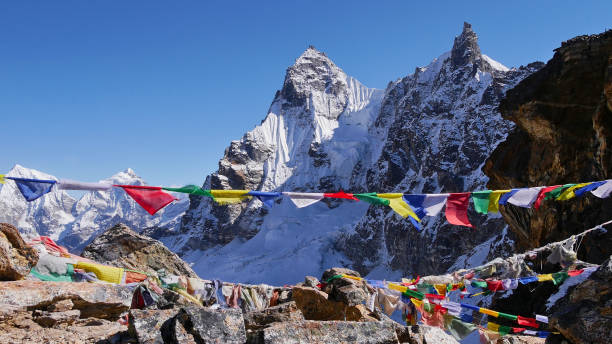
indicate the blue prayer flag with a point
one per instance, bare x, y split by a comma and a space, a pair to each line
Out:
32, 189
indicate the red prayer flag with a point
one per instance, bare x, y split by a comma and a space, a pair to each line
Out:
518, 329
151, 198
531, 322
340, 194
495, 285
456, 209
542, 194
575, 272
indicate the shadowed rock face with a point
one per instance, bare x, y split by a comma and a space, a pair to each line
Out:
16, 257
563, 117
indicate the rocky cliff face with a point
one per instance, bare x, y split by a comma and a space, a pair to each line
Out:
428, 132
563, 117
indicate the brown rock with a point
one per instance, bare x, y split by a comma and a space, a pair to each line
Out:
520, 340
330, 332
52, 319
422, 334
349, 291
16, 257
120, 246
315, 305
104, 301
61, 306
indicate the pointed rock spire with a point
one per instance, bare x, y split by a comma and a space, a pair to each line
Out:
466, 49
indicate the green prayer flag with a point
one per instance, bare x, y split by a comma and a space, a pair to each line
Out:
415, 294
333, 278
556, 192
507, 316
504, 330
481, 201
559, 277
479, 284
371, 197
424, 287
191, 189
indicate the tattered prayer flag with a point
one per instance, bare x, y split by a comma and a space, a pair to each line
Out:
525, 197
474, 308
266, 198
494, 200
396, 202
434, 203
340, 194
481, 201
229, 196
503, 199
414, 294
575, 272
1, 178
456, 209
32, 189
440, 288
495, 285
531, 322
569, 192
592, 186
151, 198
371, 197
503, 330
191, 189
66, 184
553, 194
303, 199
559, 277
518, 329
542, 194
604, 190
457, 328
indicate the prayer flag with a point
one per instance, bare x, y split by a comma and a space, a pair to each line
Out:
604, 190
340, 194
151, 198
489, 312
456, 209
503, 199
569, 192
545, 277
495, 285
479, 284
474, 308
229, 196
481, 201
303, 199
66, 184
531, 322
397, 203
559, 277
1, 178
32, 189
191, 189
543, 193
266, 198
527, 280
542, 318
553, 194
508, 316
467, 317
416, 203
457, 328
518, 329
434, 203
525, 197
575, 272
414, 294
371, 198
494, 200
592, 186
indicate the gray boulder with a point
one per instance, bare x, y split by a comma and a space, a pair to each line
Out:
330, 332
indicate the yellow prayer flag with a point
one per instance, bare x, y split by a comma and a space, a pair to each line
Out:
417, 303
398, 205
494, 200
440, 288
569, 192
546, 277
493, 327
397, 287
1, 178
489, 312
229, 196
352, 277
103, 272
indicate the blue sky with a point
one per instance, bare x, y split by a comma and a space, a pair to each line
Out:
89, 88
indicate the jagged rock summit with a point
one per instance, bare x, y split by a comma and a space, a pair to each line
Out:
427, 132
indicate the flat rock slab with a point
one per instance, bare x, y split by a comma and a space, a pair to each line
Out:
104, 301
330, 332
256, 320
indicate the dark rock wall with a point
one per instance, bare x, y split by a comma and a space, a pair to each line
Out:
563, 117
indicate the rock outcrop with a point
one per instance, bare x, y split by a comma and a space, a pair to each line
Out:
121, 247
584, 313
16, 257
563, 118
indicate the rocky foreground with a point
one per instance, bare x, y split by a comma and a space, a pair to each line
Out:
33, 311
